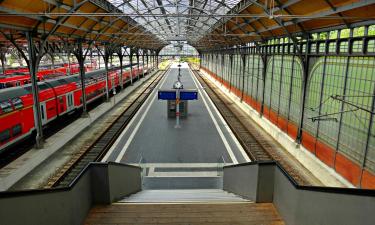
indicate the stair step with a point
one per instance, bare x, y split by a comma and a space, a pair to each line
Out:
185, 213
183, 195
150, 183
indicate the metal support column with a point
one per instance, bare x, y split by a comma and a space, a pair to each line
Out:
137, 56
52, 60
222, 68
91, 60
306, 64
143, 65
106, 57
131, 66
154, 61
81, 62
347, 68
281, 81
121, 58
216, 64
99, 60
3, 59
157, 60
148, 68
243, 57
371, 121
230, 71
264, 73
200, 61
33, 68
69, 66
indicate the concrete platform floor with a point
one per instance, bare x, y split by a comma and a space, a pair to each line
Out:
152, 139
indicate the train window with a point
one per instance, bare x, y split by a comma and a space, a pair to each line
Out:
6, 107
16, 130
70, 100
61, 100
27, 88
4, 135
17, 103
42, 87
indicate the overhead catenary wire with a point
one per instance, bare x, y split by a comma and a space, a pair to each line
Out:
353, 108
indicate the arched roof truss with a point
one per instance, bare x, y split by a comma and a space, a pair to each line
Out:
153, 24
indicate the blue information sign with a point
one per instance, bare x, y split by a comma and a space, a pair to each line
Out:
167, 95
188, 95
171, 94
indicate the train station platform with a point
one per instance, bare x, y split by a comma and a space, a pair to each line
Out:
197, 174
203, 142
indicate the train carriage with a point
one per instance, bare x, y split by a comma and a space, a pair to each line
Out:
57, 97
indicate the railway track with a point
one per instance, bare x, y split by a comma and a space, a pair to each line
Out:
99, 147
11, 153
254, 143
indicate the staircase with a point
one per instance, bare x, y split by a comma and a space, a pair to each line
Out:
184, 207
183, 196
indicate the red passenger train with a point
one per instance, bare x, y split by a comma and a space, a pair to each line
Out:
21, 76
57, 97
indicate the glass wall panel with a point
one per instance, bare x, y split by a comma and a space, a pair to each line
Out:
253, 77
284, 86
349, 79
359, 91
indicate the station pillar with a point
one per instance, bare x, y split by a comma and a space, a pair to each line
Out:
131, 67
81, 62
106, 57
3, 59
33, 63
143, 64
154, 58
121, 58
137, 55
157, 61
148, 68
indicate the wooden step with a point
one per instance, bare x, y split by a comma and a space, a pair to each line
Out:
182, 213
183, 195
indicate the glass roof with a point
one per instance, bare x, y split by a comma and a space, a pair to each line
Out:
176, 20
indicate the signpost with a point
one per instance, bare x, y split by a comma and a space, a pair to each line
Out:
178, 94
